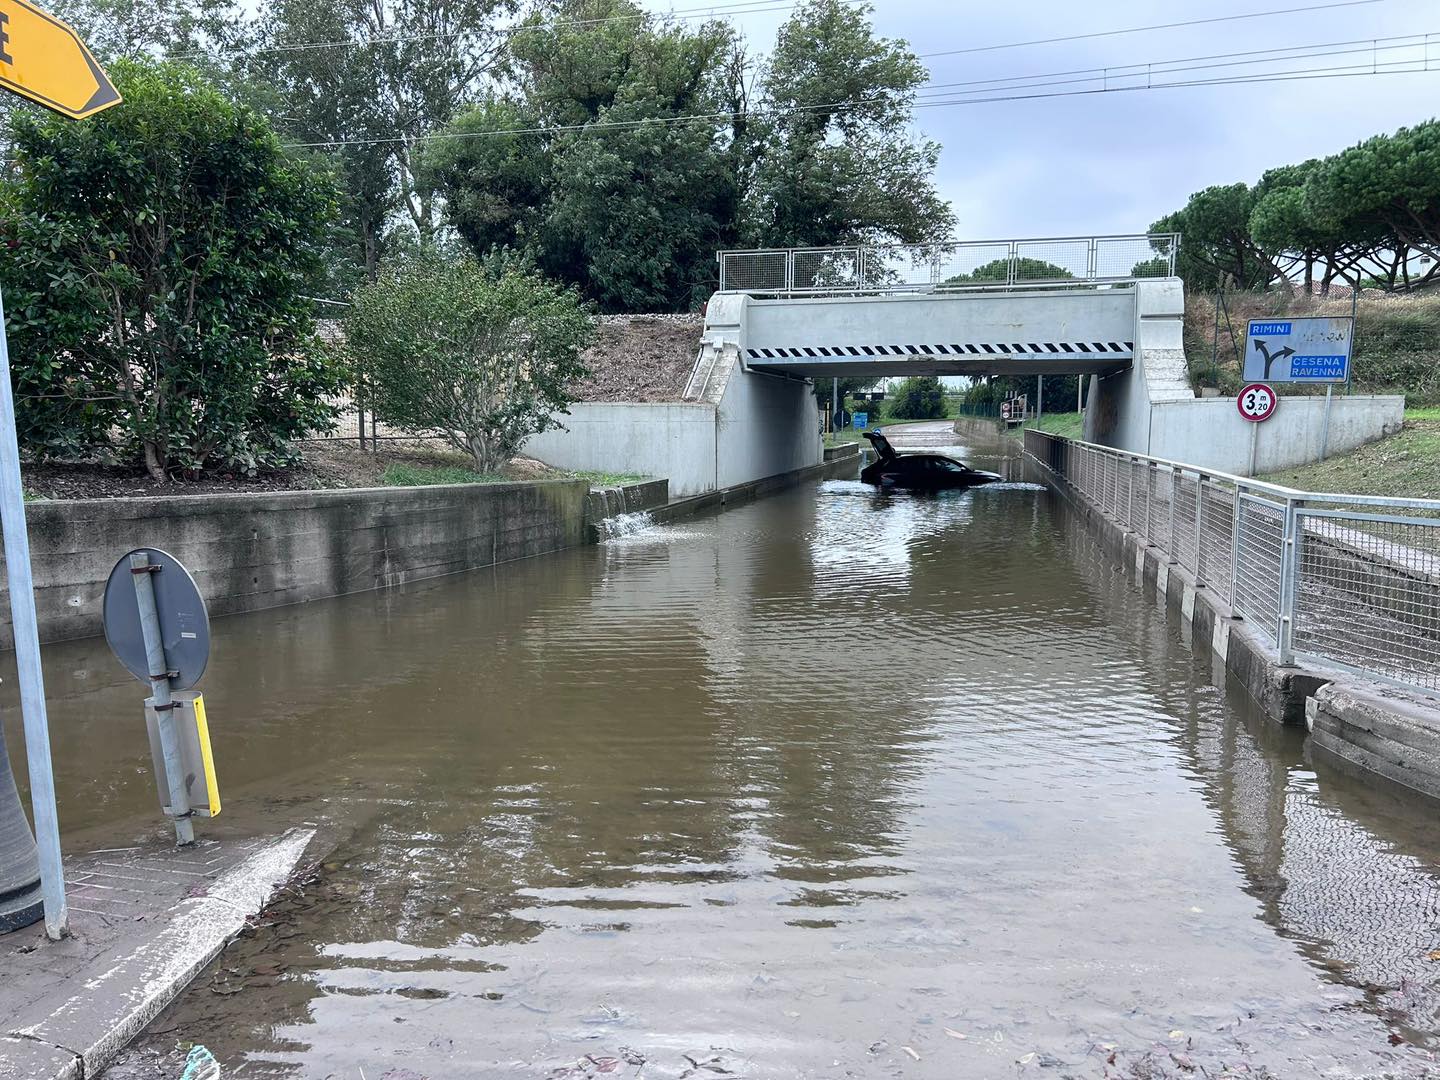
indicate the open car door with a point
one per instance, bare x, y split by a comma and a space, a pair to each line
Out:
881, 444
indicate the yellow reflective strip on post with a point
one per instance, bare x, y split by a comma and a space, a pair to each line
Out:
202, 729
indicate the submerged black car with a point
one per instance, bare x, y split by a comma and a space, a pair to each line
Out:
925, 472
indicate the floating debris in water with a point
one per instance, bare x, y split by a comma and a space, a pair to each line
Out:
200, 1064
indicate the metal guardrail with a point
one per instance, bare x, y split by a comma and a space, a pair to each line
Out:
1345, 581
927, 267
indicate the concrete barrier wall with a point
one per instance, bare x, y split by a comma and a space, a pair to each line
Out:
674, 440
265, 550
768, 426
1210, 432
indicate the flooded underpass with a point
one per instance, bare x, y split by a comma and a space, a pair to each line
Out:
835, 784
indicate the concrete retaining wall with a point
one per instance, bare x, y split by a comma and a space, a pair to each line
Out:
1210, 432
741, 426
259, 551
767, 426
1378, 734
675, 440
838, 461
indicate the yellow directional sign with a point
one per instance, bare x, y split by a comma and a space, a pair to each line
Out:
42, 59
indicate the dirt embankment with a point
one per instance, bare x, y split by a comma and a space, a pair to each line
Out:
641, 358
1397, 338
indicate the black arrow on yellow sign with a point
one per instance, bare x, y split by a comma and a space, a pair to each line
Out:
43, 60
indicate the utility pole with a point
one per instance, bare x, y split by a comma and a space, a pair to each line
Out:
25, 627
1039, 397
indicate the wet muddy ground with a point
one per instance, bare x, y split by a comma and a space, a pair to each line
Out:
837, 784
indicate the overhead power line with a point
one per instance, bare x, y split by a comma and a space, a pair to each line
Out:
1357, 46
721, 11
751, 7
1017, 88
1154, 26
1403, 67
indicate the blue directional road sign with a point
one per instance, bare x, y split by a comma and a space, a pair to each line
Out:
1298, 350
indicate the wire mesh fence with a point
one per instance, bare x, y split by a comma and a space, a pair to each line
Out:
977, 264
1259, 546
1348, 581
1369, 598
1217, 523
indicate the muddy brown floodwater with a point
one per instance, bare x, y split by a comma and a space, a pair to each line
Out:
835, 784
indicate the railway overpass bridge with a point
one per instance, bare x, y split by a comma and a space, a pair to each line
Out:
1106, 307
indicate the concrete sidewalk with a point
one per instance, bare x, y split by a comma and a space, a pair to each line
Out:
144, 921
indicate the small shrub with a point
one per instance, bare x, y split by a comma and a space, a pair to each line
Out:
480, 357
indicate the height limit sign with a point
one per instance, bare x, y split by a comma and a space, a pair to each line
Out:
1256, 402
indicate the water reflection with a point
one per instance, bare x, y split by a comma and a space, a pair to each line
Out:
813, 787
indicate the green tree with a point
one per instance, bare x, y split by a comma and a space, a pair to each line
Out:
1282, 227
153, 282
829, 153
1216, 242
1024, 269
920, 397
418, 64
495, 173
1383, 197
585, 166
479, 358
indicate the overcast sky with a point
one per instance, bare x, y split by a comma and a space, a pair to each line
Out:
1113, 163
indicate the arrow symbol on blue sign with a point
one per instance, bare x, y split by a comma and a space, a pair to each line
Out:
1265, 352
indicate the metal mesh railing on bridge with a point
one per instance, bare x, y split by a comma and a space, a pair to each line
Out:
975, 264
1349, 581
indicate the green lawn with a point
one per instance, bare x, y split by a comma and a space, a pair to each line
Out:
407, 474
1067, 425
1406, 464
607, 479
845, 435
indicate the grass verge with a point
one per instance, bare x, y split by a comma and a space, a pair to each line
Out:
1407, 464
607, 479
413, 474
1066, 425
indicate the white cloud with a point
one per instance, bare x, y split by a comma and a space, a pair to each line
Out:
1115, 162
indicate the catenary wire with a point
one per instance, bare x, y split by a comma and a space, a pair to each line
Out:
747, 7
1156, 26
713, 11
957, 98
1370, 46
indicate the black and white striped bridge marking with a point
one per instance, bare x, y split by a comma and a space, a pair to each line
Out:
1114, 349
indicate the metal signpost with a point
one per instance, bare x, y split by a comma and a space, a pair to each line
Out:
1256, 403
42, 60
157, 626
